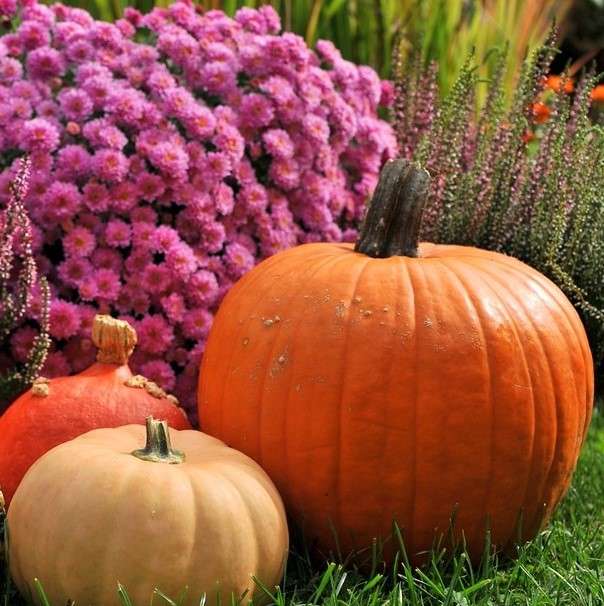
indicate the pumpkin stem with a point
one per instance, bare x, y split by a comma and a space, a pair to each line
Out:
158, 448
393, 219
114, 338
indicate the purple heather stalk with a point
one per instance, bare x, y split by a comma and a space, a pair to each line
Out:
16, 234
21, 294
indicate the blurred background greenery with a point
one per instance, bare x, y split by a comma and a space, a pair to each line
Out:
444, 31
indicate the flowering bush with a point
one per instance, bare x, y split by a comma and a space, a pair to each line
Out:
171, 153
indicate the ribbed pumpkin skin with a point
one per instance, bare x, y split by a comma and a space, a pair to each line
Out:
97, 397
402, 389
89, 514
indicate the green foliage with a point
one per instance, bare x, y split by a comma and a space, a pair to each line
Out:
540, 201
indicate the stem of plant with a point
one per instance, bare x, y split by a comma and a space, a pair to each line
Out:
158, 448
114, 338
393, 219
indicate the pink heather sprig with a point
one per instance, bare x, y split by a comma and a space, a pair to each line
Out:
170, 153
22, 293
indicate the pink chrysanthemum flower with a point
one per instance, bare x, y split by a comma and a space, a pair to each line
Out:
75, 104
181, 259
278, 143
164, 238
238, 260
87, 289
79, 242
132, 298
124, 197
174, 307
107, 283
74, 270
204, 288
316, 128
107, 258
95, 196
39, 135
62, 200
197, 323
217, 78
117, 233
110, 165
8, 8
73, 162
156, 279
170, 159
256, 110
10, 70
150, 186
154, 334
64, 319
44, 63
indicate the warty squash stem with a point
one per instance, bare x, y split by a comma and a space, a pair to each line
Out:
393, 219
114, 338
158, 448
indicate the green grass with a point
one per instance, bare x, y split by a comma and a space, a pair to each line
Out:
563, 566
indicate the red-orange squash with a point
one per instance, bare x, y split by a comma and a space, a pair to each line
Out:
396, 382
57, 410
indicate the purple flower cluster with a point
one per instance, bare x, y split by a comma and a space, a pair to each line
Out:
171, 152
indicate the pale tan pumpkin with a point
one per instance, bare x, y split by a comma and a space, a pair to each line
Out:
95, 511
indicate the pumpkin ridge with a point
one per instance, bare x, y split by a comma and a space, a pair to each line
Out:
489, 378
245, 285
306, 278
285, 433
187, 573
340, 400
109, 546
540, 293
416, 393
79, 470
571, 333
549, 287
388, 411
403, 277
575, 323
249, 518
408, 533
491, 276
549, 506
337, 454
412, 290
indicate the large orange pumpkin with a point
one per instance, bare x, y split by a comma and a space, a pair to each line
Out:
57, 410
396, 382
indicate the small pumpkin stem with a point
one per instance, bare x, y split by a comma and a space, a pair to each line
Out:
158, 448
114, 338
393, 219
